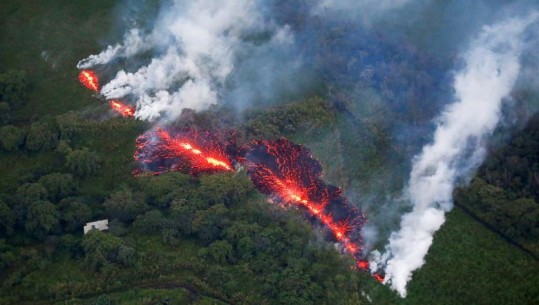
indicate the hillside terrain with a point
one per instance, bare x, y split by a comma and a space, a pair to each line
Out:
65, 159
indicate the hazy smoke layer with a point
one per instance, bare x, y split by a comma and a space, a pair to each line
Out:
203, 52
490, 72
365, 9
197, 44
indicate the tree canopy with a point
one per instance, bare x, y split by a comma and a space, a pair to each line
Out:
14, 88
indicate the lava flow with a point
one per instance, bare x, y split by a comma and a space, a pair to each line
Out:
284, 171
186, 151
364, 265
89, 79
288, 173
124, 110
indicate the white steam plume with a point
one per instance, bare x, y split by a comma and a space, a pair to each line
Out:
133, 43
490, 72
197, 44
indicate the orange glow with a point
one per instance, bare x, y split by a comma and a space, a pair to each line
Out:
363, 264
124, 110
181, 146
188, 151
378, 277
338, 230
284, 171
290, 176
89, 80
214, 162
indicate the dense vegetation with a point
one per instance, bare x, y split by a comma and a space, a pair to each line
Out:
505, 192
177, 239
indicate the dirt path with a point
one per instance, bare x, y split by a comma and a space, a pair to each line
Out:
493, 229
194, 293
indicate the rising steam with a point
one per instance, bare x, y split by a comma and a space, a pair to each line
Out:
197, 44
490, 72
202, 52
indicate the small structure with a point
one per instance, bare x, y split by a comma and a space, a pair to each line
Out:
100, 225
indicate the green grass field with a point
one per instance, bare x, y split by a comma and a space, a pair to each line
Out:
468, 264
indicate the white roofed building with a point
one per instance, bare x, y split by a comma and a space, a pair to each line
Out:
100, 225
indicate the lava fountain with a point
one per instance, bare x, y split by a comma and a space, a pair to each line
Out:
124, 110
89, 79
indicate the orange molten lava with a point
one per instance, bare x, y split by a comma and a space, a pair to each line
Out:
339, 230
285, 171
89, 80
288, 173
363, 264
188, 151
378, 277
181, 147
124, 110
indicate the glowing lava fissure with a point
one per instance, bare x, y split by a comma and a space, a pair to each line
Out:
187, 151
284, 171
124, 110
89, 80
291, 176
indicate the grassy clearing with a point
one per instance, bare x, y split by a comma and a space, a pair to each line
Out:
468, 264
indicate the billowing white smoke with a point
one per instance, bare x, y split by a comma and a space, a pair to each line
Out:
133, 43
197, 43
490, 72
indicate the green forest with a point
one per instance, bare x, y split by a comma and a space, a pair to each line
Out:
213, 239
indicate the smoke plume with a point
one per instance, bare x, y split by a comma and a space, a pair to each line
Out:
385, 67
195, 47
365, 10
490, 72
